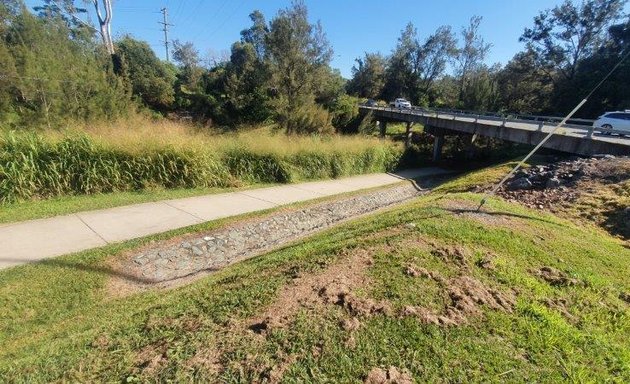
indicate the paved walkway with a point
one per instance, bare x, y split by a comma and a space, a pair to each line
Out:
34, 240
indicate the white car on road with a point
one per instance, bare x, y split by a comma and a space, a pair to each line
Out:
400, 103
618, 121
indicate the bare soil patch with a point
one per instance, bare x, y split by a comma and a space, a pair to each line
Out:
207, 360
151, 358
467, 296
555, 277
334, 285
560, 305
391, 375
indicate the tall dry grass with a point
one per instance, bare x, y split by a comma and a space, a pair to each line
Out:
137, 154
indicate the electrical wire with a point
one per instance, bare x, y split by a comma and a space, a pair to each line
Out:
551, 133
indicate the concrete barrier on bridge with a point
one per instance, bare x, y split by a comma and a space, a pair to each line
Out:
572, 138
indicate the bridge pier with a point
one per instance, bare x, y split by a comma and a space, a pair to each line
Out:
382, 128
438, 143
408, 134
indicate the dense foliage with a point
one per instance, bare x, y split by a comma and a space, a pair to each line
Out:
50, 74
54, 69
568, 50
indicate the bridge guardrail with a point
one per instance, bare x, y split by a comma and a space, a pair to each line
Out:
582, 124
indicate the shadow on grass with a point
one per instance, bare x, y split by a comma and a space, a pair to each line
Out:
460, 211
617, 222
84, 267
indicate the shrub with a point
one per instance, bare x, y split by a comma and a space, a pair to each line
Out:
310, 119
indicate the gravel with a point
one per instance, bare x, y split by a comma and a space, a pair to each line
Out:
216, 249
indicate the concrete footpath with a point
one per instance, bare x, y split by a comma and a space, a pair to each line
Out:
34, 240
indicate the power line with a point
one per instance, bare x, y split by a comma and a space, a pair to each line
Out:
225, 20
192, 14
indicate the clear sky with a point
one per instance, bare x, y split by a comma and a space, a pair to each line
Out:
352, 26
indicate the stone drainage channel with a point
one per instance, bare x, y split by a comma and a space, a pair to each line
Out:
218, 248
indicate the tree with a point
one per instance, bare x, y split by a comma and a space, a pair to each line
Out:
414, 66
49, 77
523, 87
67, 11
299, 55
105, 23
368, 76
434, 55
614, 94
247, 77
149, 78
471, 56
481, 92
256, 34
566, 34
400, 71
191, 72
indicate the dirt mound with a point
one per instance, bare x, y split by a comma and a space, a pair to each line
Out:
391, 375
339, 294
333, 285
454, 254
560, 305
415, 271
467, 295
486, 262
351, 324
555, 277
152, 357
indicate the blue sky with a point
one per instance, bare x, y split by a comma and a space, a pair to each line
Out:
352, 26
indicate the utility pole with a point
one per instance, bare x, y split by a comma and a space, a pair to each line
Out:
165, 25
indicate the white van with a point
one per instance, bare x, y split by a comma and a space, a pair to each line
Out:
618, 121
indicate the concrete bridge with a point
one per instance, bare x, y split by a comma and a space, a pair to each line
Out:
576, 137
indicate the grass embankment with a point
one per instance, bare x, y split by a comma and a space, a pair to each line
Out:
59, 320
150, 158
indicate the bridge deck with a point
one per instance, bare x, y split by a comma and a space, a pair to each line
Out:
573, 138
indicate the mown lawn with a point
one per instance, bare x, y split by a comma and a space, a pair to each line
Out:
61, 320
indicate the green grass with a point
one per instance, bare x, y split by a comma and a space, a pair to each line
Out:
62, 205
52, 164
58, 322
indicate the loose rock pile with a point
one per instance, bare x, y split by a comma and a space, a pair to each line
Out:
219, 248
552, 185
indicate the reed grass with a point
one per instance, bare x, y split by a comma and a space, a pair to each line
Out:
137, 154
